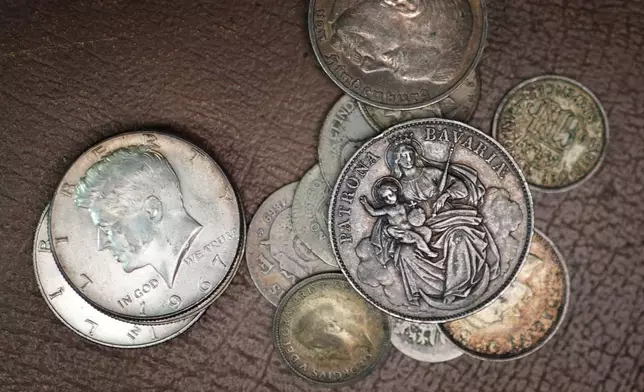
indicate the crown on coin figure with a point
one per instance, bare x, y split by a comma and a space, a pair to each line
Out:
405, 138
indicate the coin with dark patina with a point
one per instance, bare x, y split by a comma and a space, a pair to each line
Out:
526, 316
459, 106
431, 220
327, 334
422, 341
398, 54
556, 130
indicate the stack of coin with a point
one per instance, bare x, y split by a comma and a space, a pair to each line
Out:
144, 232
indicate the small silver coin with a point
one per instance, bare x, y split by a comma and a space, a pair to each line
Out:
310, 212
276, 257
422, 341
83, 318
147, 228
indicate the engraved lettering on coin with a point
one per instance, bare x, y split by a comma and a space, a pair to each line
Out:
431, 220
422, 341
526, 316
555, 128
326, 333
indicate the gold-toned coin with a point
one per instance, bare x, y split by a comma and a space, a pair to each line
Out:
327, 334
526, 316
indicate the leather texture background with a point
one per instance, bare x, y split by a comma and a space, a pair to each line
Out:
238, 78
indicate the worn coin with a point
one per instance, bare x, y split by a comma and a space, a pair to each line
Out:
398, 54
327, 334
83, 318
526, 316
459, 106
422, 341
310, 213
275, 255
431, 220
555, 129
146, 227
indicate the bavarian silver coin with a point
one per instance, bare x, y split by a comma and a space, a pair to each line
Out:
147, 227
310, 212
82, 317
276, 257
422, 341
431, 220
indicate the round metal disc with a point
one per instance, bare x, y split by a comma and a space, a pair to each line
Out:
422, 341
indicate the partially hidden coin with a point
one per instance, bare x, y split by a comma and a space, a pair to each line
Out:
275, 255
83, 318
310, 212
327, 334
147, 228
398, 54
431, 220
459, 106
556, 130
526, 316
422, 341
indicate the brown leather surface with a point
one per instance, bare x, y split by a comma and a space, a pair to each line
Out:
238, 78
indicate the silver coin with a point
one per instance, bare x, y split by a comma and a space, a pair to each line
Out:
398, 54
343, 132
275, 255
431, 220
422, 341
459, 106
83, 318
146, 227
310, 212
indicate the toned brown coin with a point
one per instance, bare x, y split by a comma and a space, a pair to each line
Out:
555, 129
327, 334
401, 54
526, 316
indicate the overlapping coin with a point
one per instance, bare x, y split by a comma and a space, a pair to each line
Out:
422, 341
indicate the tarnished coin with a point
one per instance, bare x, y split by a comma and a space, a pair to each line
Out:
327, 334
147, 227
422, 341
526, 316
343, 132
431, 220
398, 54
555, 129
275, 255
310, 213
459, 106
83, 318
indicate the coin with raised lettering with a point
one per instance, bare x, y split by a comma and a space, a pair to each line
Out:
309, 214
276, 256
327, 334
459, 106
431, 220
398, 54
422, 341
83, 318
526, 316
147, 227
556, 130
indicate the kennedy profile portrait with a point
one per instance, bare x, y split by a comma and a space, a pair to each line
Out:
134, 199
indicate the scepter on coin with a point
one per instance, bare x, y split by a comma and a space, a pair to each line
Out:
441, 187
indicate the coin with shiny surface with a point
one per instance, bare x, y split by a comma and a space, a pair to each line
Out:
526, 316
459, 106
431, 220
310, 212
84, 319
146, 227
398, 54
422, 341
327, 334
276, 257
556, 130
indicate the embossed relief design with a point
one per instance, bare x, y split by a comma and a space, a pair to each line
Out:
419, 334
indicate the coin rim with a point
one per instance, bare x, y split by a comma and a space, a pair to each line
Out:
475, 60
604, 119
413, 354
378, 358
551, 332
522, 257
